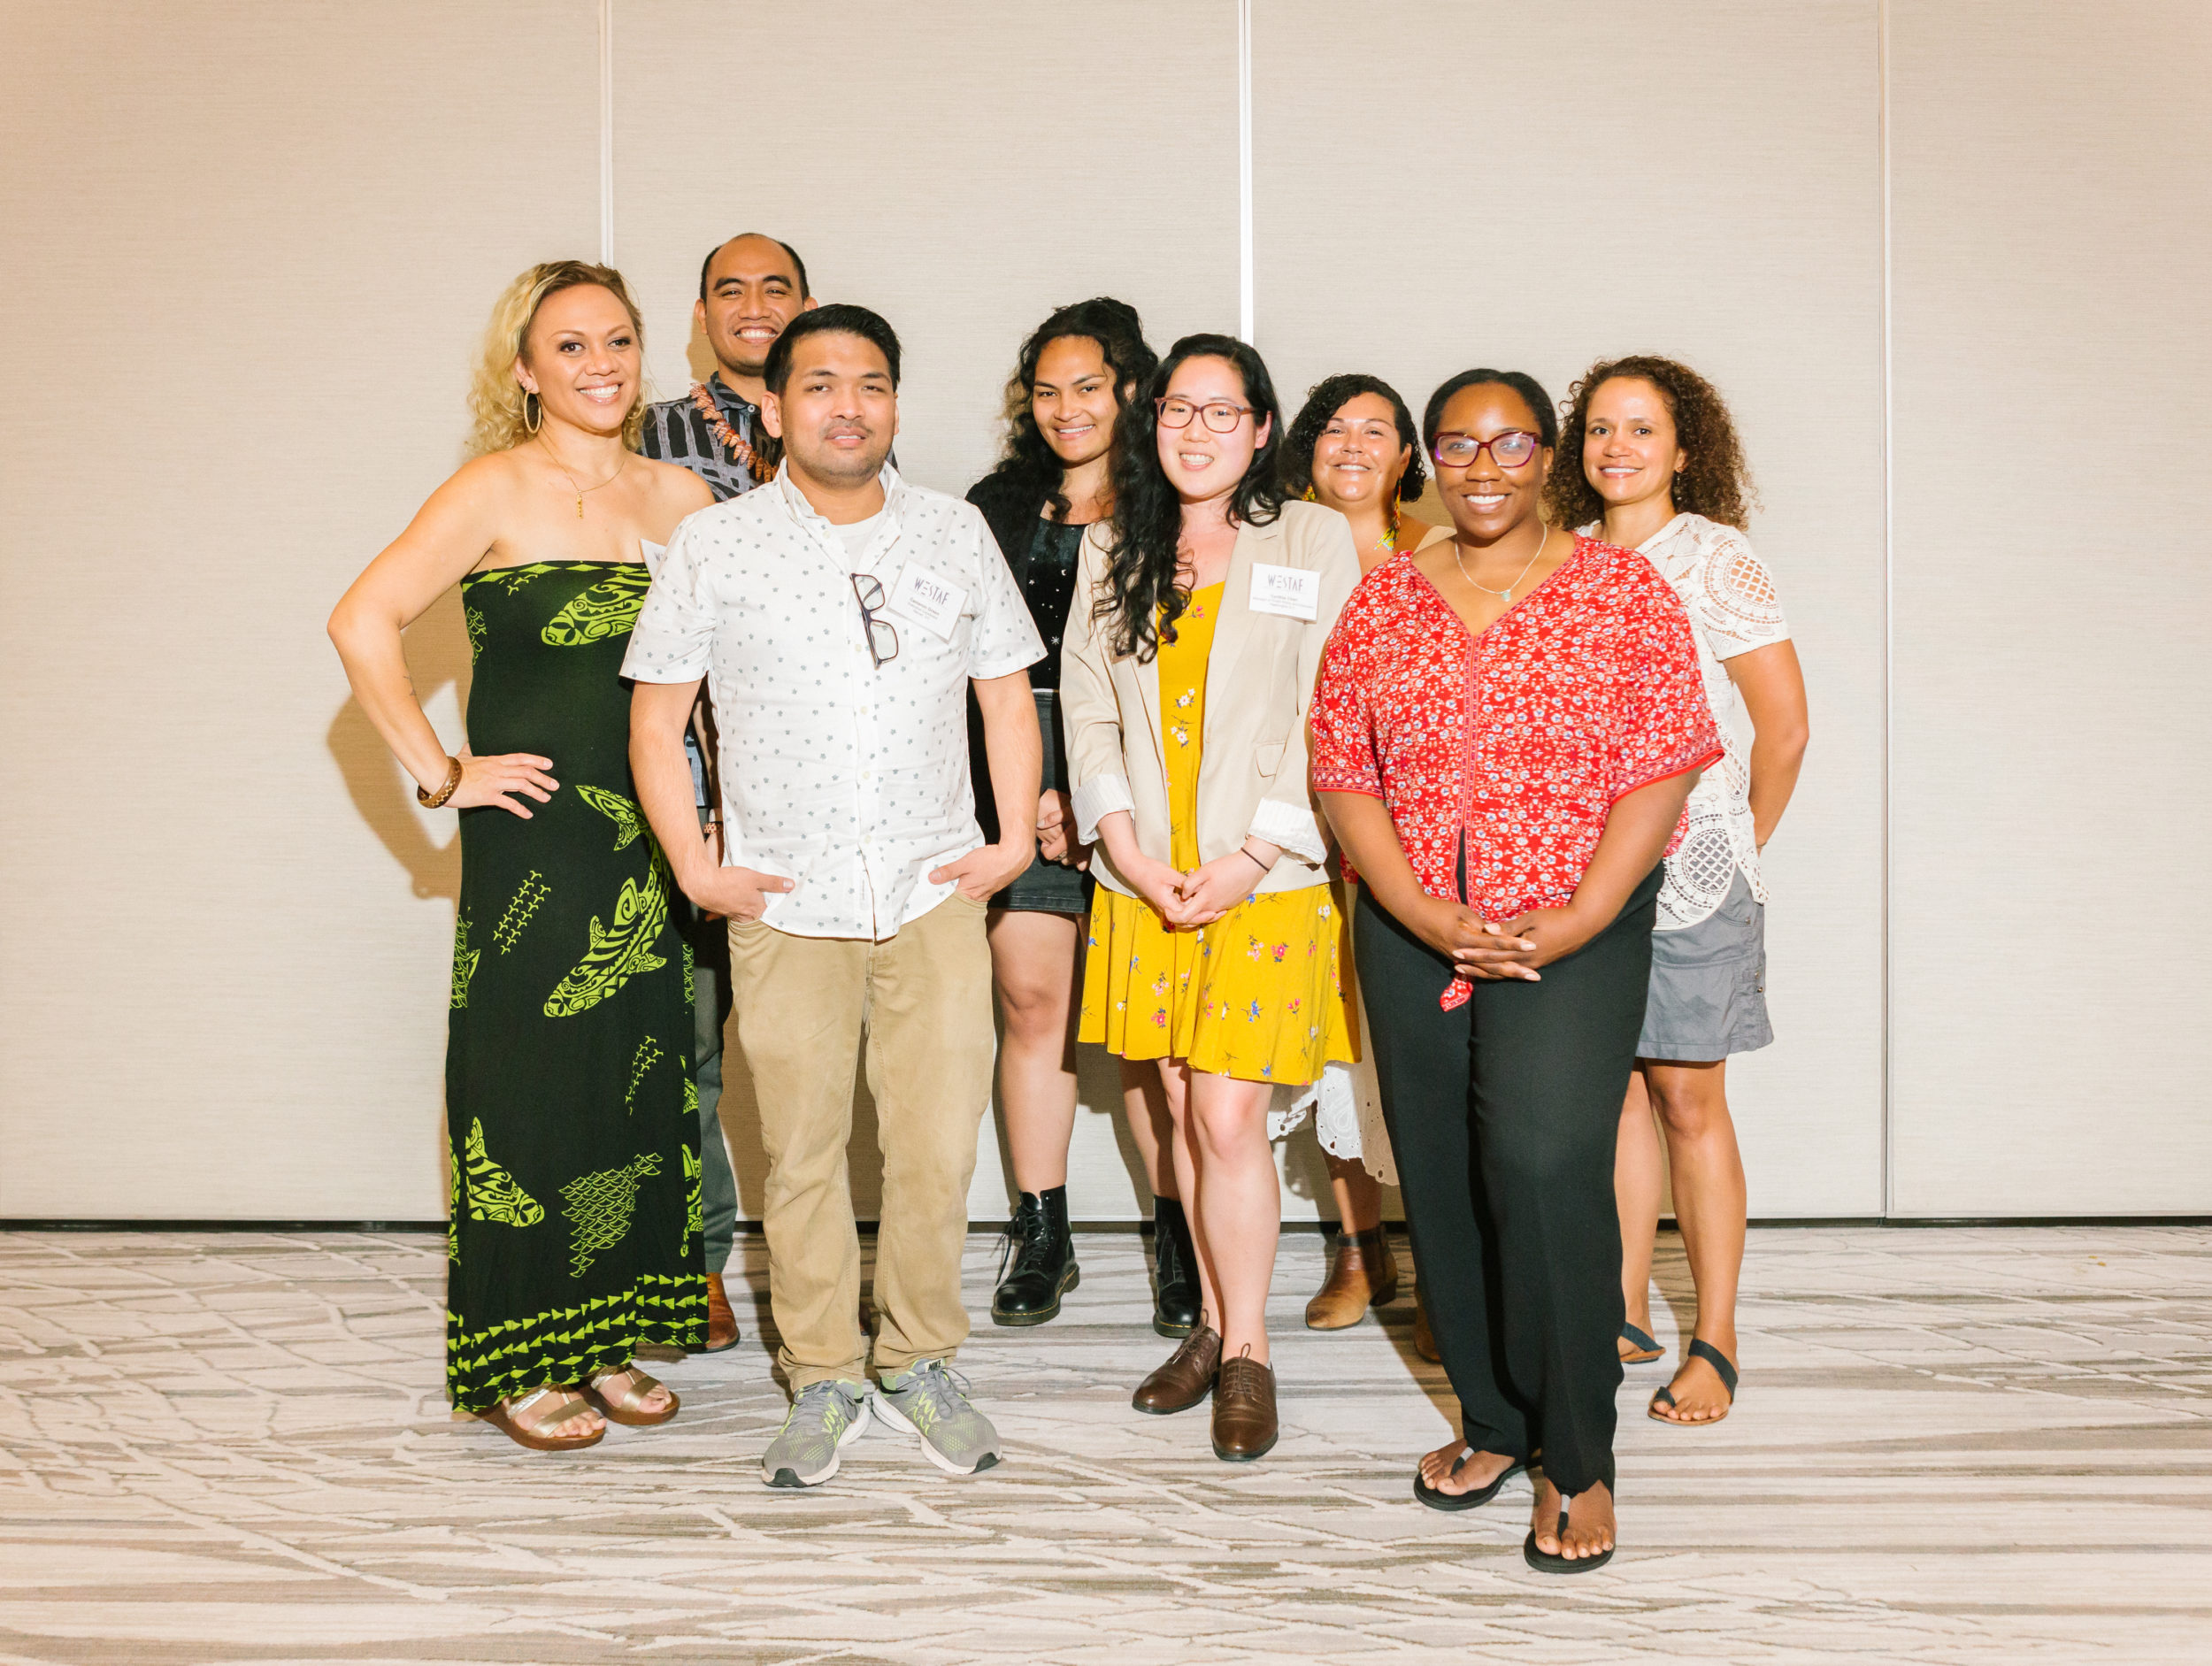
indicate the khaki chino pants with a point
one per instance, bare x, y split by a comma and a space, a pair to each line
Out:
925, 1000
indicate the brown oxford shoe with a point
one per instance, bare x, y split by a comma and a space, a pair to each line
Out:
1185, 1380
1245, 1426
1363, 1274
721, 1320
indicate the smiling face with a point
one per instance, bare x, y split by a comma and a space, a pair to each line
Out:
1201, 464
838, 412
1630, 450
1072, 399
1359, 458
752, 293
582, 358
1488, 499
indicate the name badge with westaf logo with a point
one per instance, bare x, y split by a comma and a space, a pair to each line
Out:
931, 601
1293, 593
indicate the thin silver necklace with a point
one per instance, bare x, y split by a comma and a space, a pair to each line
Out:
1506, 595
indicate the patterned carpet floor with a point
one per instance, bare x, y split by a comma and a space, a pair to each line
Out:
1953, 1445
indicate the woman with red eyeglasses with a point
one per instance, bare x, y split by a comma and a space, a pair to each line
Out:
1200, 612
1507, 727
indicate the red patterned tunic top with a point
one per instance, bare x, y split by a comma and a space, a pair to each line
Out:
1578, 693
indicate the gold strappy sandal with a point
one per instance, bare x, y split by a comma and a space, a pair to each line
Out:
621, 1395
508, 1418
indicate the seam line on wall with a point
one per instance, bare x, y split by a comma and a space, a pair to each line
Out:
606, 133
1244, 171
1889, 614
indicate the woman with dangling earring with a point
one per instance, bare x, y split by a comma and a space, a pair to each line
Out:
1507, 727
1354, 447
576, 1237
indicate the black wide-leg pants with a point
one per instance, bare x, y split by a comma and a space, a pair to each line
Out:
1503, 1114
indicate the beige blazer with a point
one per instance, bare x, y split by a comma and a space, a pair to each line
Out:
1253, 776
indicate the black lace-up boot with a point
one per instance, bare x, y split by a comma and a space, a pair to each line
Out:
1042, 1254
1174, 1271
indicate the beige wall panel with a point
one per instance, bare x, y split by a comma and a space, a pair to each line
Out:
2053, 586
252, 247
1537, 186
962, 168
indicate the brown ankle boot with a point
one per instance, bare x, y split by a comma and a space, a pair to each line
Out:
1425, 1333
721, 1320
1362, 1273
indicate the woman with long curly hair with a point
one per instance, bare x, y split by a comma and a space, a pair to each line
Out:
1201, 610
1661, 472
1073, 379
575, 1239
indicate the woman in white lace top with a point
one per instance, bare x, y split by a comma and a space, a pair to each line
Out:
1663, 472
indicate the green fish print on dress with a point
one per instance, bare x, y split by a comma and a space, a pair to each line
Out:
609, 607
620, 951
493, 1195
600, 1206
478, 631
629, 821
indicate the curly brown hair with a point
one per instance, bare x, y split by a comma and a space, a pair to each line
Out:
1714, 482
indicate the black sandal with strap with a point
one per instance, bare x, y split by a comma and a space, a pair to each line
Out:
1549, 1562
1722, 1368
1481, 1495
1644, 1343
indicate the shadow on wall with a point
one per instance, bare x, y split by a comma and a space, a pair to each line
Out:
438, 658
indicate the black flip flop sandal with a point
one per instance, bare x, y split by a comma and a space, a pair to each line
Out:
1475, 1499
1646, 1346
1546, 1562
1722, 1368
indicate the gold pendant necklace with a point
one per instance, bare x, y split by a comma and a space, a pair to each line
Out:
1506, 595
571, 479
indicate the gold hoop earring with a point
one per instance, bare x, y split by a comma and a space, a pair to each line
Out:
529, 399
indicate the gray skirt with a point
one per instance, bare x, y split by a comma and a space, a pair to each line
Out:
1709, 985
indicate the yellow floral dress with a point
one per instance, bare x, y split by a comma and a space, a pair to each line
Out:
1256, 994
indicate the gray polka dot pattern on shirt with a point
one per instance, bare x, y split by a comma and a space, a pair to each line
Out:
848, 778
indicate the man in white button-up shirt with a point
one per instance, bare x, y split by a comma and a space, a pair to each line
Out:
840, 615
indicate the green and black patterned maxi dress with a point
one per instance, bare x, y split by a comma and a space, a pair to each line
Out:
576, 1233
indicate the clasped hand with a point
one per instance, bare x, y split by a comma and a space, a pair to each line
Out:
1512, 951
1200, 897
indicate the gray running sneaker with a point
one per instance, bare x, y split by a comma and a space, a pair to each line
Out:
930, 1400
825, 1417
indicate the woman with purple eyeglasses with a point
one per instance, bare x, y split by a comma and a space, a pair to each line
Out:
1506, 729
